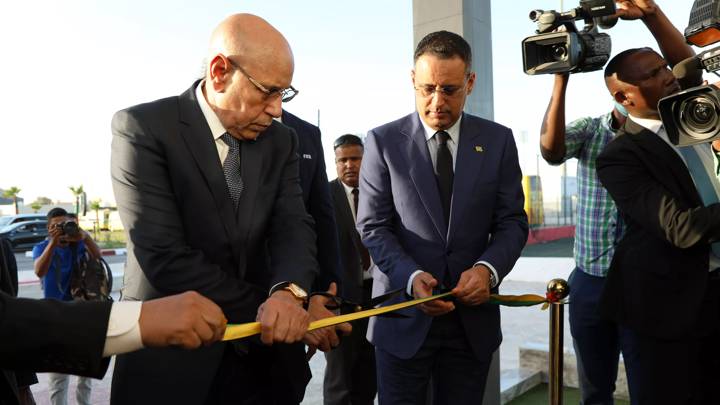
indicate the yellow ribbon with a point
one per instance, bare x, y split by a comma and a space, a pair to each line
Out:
244, 330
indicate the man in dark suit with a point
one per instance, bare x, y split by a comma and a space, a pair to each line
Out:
207, 188
663, 282
441, 205
350, 376
316, 197
78, 337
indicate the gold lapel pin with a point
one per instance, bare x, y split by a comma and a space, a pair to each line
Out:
479, 149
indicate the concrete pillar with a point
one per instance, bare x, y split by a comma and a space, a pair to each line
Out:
471, 19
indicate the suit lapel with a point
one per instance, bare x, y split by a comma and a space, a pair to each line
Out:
346, 221
198, 138
422, 175
252, 161
672, 165
468, 165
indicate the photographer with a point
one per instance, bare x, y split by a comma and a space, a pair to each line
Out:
663, 282
598, 342
54, 265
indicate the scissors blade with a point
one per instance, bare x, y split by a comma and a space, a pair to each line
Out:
382, 298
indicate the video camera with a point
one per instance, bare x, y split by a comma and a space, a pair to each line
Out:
69, 228
569, 51
693, 116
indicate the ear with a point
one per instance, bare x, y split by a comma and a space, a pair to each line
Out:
621, 98
218, 70
412, 77
471, 82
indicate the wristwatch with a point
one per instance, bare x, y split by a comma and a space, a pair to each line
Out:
292, 288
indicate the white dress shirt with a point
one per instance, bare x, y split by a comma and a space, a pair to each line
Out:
123, 331
216, 127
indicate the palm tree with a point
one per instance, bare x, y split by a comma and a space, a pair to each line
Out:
95, 206
77, 192
13, 192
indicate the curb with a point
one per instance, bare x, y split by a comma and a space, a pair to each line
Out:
105, 252
543, 235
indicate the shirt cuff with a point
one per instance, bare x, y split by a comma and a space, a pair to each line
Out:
408, 289
494, 279
123, 332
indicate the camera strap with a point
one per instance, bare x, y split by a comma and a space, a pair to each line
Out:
703, 183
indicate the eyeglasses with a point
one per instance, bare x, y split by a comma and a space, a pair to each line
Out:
347, 140
428, 90
284, 94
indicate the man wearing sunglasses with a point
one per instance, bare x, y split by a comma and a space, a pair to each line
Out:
441, 207
207, 188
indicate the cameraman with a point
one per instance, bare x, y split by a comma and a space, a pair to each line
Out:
598, 342
53, 264
664, 282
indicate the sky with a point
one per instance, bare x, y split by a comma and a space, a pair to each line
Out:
70, 65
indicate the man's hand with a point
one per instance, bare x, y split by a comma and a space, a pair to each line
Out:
282, 319
56, 236
716, 146
422, 287
186, 320
635, 9
327, 338
474, 286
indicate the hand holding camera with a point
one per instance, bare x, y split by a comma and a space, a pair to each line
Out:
635, 9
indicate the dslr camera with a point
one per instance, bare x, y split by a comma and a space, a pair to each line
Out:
693, 116
68, 228
570, 51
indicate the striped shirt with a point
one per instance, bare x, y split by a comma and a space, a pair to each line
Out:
599, 226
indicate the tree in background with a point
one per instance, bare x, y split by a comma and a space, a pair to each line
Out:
36, 206
13, 192
95, 206
77, 192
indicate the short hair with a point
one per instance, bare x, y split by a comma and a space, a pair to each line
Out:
56, 212
445, 45
620, 61
347, 140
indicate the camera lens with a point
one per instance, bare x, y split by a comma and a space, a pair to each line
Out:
699, 117
559, 52
71, 229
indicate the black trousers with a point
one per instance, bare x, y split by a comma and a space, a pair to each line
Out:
684, 371
265, 375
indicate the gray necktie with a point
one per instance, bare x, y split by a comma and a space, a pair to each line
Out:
231, 168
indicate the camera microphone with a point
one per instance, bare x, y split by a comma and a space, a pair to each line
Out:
688, 68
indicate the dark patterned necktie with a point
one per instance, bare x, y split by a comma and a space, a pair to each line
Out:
444, 172
231, 168
364, 255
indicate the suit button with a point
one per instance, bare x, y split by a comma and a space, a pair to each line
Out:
448, 252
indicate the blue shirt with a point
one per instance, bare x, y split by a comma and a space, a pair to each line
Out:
62, 256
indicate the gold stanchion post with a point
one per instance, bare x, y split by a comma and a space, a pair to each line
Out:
558, 289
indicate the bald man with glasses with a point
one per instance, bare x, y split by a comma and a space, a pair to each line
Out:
207, 188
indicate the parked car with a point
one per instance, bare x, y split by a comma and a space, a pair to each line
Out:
24, 235
6, 220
